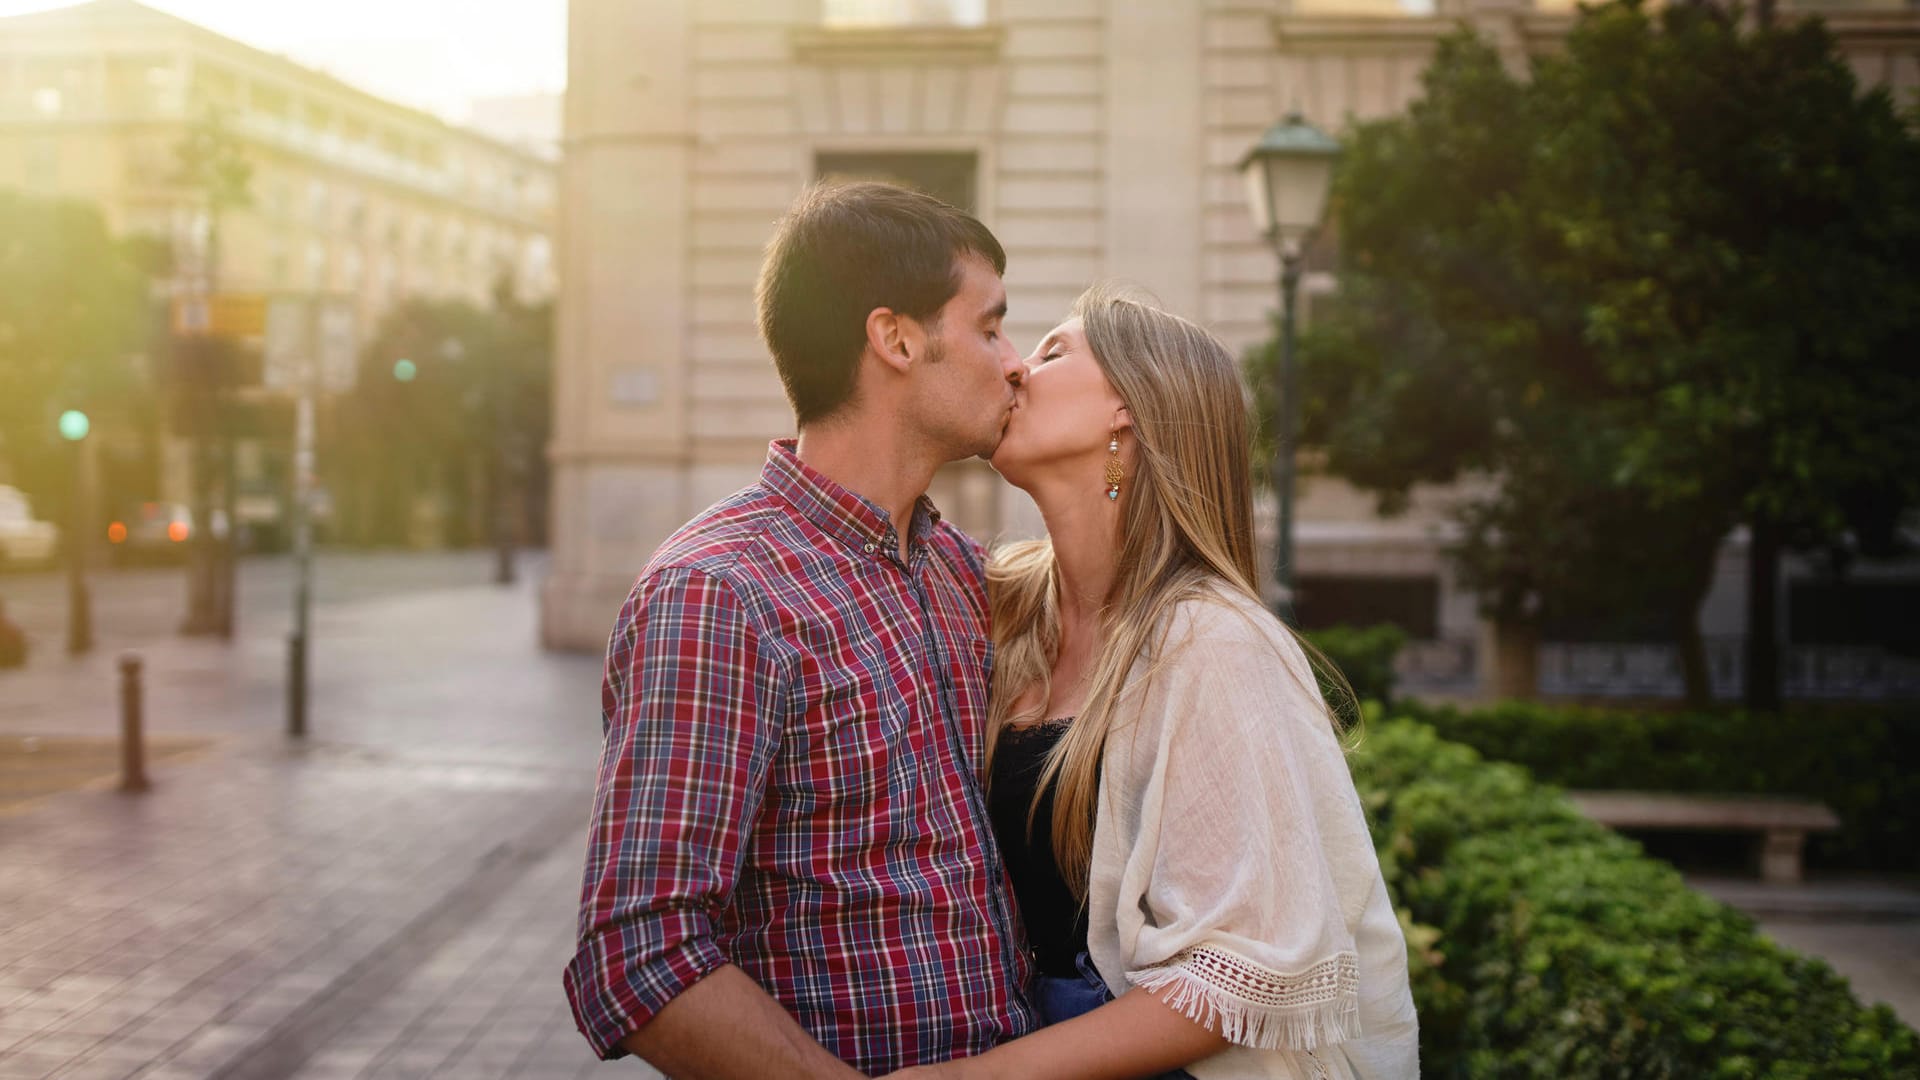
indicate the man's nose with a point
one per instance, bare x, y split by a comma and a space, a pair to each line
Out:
1013, 367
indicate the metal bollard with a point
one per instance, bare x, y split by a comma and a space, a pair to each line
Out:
133, 747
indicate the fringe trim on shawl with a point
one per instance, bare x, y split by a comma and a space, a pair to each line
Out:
1253, 1005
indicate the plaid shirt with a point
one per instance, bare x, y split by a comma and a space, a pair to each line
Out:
795, 721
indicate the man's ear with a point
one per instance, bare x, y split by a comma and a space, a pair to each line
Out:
890, 336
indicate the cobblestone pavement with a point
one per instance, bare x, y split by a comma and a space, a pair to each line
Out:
392, 898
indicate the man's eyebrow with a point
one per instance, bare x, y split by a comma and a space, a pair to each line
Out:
998, 311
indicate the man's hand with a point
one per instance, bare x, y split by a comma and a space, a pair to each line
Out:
725, 1027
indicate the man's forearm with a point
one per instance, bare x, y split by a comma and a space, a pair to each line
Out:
726, 1027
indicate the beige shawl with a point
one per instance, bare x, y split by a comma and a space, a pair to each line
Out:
1232, 863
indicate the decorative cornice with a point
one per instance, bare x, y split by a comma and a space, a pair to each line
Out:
897, 45
1340, 33
1540, 30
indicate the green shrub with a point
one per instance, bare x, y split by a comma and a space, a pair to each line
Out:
1864, 763
1364, 654
1543, 945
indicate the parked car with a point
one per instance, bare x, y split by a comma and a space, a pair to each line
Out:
157, 532
24, 540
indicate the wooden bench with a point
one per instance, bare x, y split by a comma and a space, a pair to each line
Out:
1783, 824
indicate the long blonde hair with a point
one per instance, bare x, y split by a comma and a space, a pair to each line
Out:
1186, 528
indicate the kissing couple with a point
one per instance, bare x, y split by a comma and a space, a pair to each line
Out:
875, 800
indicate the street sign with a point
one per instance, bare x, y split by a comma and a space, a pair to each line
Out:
201, 363
304, 330
232, 315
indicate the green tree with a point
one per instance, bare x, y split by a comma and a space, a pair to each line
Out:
450, 402
73, 317
212, 166
1666, 287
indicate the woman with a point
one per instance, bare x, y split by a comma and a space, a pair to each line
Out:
1189, 853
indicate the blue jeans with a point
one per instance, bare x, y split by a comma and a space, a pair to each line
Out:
1063, 999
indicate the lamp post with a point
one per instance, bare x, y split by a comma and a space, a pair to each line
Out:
1287, 174
74, 427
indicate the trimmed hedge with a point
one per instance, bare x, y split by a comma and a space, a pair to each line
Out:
1863, 762
1545, 946
1364, 654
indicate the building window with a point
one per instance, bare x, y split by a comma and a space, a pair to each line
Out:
536, 260
278, 201
904, 12
47, 101
316, 265
216, 86
271, 105
950, 177
317, 202
139, 84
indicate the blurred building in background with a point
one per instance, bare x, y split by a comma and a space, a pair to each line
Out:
529, 121
1097, 138
353, 200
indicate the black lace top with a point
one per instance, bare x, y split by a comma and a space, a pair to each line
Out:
1056, 924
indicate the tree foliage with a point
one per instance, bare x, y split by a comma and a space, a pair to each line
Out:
475, 401
1666, 286
73, 317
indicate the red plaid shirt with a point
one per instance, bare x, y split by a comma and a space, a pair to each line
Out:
795, 721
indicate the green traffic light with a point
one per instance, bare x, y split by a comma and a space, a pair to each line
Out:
405, 370
74, 425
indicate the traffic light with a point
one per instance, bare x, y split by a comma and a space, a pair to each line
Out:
74, 425
404, 370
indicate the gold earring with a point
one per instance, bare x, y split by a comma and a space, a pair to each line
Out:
1114, 475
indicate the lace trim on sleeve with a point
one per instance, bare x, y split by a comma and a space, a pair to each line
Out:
1253, 1005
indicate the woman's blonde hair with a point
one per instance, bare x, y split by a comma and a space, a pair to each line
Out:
1186, 528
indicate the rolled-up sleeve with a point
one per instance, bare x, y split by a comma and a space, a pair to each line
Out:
691, 708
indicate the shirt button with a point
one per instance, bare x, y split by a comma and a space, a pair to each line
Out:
871, 548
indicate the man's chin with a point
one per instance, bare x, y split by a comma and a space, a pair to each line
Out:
991, 446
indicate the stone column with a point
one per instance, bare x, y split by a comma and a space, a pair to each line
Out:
1154, 154
620, 434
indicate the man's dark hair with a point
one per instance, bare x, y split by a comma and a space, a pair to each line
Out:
841, 251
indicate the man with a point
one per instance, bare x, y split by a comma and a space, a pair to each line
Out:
791, 868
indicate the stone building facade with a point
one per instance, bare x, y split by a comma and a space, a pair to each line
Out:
1097, 138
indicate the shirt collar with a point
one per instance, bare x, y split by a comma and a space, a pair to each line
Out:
853, 519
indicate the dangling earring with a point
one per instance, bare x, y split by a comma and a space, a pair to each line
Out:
1114, 475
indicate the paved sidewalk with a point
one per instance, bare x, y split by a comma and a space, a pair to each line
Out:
394, 898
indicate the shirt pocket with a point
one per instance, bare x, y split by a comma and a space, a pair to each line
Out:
853, 743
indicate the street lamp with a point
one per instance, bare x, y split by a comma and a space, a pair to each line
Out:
74, 427
1287, 173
